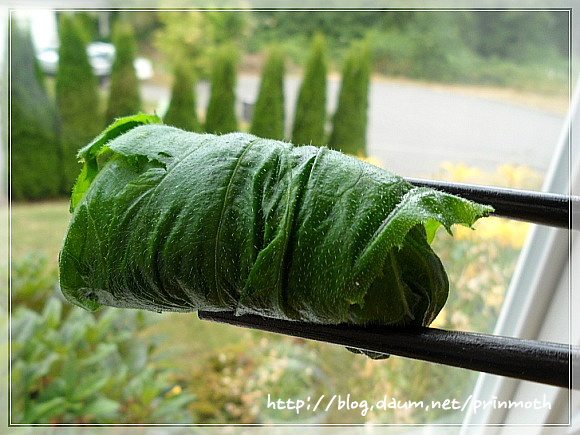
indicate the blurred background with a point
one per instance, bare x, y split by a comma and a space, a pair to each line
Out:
465, 95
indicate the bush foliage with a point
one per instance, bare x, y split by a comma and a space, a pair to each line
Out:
221, 115
70, 366
124, 98
310, 115
35, 154
195, 36
268, 119
85, 368
77, 98
350, 119
182, 110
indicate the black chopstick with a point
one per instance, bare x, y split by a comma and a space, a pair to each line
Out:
537, 207
543, 362
537, 361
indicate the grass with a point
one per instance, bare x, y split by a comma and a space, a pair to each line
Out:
196, 339
38, 227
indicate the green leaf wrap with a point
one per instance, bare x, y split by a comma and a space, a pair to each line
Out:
168, 220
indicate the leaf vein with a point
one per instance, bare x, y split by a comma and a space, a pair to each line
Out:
222, 214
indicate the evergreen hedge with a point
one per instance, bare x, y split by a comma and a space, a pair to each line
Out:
220, 114
268, 119
124, 98
77, 98
310, 116
182, 110
350, 119
34, 151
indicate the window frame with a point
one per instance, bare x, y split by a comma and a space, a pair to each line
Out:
539, 301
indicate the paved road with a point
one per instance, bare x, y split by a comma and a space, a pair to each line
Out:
412, 129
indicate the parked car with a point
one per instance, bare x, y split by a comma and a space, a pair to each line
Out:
101, 57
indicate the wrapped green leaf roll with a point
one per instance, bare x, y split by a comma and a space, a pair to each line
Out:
168, 220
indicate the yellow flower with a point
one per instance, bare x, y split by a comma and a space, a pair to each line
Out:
502, 231
174, 391
520, 177
461, 173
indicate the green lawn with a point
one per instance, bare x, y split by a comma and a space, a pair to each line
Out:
38, 228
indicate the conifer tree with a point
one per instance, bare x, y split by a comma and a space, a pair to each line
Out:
310, 114
124, 98
221, 115
35, 152
350, 119
77, 98
268, 119
182, 110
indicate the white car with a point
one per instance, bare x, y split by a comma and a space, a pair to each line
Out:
101, 57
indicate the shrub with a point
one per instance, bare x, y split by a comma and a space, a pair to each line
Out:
124, 96
268, 119
311, 106
232, 386
35, 154
90, 368
350, 120
77, 98
221, 115
182, 110
32, 281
